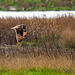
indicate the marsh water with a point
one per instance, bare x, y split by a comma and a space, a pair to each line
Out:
39, 14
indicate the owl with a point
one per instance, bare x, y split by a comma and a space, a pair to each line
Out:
21, 32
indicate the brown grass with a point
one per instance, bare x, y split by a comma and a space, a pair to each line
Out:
51, 43
37, 29
39, 62
31, 57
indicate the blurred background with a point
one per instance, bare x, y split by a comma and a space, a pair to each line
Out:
36, 5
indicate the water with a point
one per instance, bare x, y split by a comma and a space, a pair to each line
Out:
40, 14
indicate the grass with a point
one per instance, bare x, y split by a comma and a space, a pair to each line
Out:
34, 71
38, 5
50, 43
34, 60
52, 32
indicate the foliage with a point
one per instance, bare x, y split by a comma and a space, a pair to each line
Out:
41, 5
49, 43
34, 71
57, 33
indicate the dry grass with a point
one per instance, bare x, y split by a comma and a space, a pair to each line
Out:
34, 57
39, 62
60, 30
49, 43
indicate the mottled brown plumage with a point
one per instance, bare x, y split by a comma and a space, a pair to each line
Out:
20, 32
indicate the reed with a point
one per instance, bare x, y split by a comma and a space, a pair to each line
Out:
49, 43
55, 32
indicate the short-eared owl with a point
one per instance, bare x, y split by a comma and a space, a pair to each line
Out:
21, 32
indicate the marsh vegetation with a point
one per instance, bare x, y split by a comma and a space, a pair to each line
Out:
50, 43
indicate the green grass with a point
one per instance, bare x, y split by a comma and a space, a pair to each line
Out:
37, 5
33, 71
